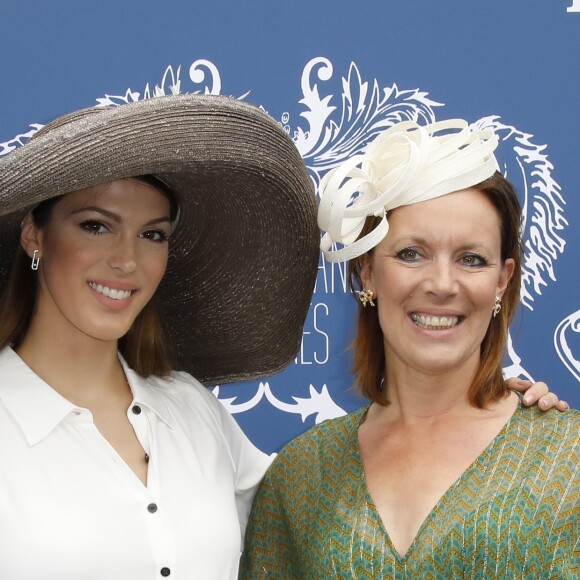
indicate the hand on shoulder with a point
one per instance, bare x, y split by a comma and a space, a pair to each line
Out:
537, 393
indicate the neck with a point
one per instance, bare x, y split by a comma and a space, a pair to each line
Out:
81, 368
415, 395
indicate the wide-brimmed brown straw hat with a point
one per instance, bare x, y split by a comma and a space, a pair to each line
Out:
244, 255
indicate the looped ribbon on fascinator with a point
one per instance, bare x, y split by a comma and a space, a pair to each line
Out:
405, 164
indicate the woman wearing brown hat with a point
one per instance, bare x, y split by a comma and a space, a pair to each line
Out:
445, 474
114, 466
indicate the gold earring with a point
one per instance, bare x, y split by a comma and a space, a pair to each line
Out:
366, 297
496, 306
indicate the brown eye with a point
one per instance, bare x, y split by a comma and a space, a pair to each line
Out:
407, 255
473, 260
157, 236
94, 227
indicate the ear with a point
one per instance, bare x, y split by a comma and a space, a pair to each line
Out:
366, 272
30, 237
505, 276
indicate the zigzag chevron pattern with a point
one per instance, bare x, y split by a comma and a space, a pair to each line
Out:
515, 513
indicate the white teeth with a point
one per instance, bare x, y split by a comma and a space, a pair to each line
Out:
434, 322
110, 292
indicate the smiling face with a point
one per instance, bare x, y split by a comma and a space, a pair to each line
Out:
102, 255
436, 276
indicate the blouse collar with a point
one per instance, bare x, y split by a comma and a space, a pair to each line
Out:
39, 409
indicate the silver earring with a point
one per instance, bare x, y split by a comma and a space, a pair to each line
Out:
366, 297
496, 306
35, 260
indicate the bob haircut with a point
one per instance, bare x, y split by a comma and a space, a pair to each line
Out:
144, 347
369, 365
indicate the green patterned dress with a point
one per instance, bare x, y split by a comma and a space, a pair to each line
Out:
514, 513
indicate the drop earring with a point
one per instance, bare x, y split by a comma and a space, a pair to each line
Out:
496, 306
35, 260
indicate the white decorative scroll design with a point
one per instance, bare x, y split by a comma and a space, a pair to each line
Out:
575, 6
514, 368
19, 140
319, 403
203, 73
233, 407
338, 121
335, 133
569, 324
527, 166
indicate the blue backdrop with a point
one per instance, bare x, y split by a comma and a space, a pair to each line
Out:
332, 73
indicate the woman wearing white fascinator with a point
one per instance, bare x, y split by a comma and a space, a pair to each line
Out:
445, 474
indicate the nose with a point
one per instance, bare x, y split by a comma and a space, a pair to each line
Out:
123, 256
441, 280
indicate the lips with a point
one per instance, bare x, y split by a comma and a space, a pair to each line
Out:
114, 293
432, 322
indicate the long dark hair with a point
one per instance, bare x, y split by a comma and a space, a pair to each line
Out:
145, 347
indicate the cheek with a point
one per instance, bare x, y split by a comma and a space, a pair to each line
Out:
61, 257
394, 283
483, 293
155, 267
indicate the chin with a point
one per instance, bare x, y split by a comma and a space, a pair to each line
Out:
107, 334
443, 363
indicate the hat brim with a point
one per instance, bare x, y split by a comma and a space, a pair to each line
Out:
244, 256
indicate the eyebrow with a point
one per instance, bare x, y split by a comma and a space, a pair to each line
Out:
116, 217
423, 242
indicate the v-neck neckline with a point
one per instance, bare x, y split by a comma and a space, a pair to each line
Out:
478, 463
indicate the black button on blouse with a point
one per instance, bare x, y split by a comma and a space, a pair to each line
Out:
136, 409
165, 571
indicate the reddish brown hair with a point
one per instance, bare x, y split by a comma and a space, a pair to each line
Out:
369, 363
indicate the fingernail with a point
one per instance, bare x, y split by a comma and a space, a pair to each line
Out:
543, 404
527, 400
565, 405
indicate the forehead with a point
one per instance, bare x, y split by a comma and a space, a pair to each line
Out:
463, 214
123, 194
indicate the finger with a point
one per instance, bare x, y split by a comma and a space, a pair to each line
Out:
517, 384
548, 401
562, 406
535, 392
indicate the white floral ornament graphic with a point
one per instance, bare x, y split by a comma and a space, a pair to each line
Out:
367, 110
319, 404
336, 131
530, 171
562, 346
171, 84
19, 140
